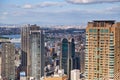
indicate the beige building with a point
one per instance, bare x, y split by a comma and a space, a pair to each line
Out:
75, 74
102, 61
8, 58
23, 78
59, 75
56, 78
117, 51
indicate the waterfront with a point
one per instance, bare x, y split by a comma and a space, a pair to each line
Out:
18, 44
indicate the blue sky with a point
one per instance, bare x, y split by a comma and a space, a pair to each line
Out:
58, 12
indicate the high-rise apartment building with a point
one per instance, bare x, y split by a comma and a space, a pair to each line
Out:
8, 58
117, 51
37, 53
102, 50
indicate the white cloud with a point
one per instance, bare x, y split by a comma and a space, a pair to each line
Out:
48, 4
43, 4
5, 13
91, 1
27, 6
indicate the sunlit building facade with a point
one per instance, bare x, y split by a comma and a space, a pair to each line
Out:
102, 52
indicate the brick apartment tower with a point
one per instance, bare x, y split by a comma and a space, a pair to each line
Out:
102, 58
8, 64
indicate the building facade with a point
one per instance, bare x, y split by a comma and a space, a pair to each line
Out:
64, 56
32, 44
117, 51
68, 56
56, 78
25, 46
75, 74
37, 53
102, 50
8, 58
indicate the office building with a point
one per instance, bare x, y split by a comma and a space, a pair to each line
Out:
64, 55
25, 46
32, 44
67, 57
102, 50
8, 65
72, 52
37, 53
76, 62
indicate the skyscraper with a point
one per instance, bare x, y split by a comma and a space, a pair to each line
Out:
25, 46
37, 53
68, 53
64, 55
8, 58
32, 44
102, 50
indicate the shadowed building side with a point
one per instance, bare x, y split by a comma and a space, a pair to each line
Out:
25, 46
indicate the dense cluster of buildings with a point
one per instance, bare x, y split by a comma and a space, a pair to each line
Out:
80, 55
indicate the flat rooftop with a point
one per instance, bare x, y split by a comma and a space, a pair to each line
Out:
106, 21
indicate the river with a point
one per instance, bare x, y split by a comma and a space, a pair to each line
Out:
17, 45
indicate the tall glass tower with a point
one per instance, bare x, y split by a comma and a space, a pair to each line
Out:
64, 55
68, 53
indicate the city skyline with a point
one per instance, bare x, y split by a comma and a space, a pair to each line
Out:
60, 12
